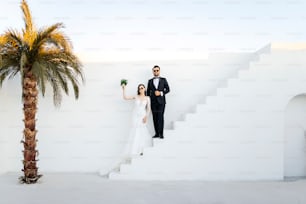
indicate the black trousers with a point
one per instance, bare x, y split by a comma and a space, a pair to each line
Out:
158, 118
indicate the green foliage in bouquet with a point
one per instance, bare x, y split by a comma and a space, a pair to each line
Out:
123, 82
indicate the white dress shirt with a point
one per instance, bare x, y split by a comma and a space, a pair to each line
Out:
156, 82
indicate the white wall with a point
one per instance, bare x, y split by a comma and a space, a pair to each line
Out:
10, 126
88, 135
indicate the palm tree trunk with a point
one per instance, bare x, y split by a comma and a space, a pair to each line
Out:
30, 94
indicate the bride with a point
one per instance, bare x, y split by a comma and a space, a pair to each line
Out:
139, 136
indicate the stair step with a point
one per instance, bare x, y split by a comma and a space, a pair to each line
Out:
169, 133
190, 116
245, 74
208, 109
178, 124
118, 176
153, 175
157, 142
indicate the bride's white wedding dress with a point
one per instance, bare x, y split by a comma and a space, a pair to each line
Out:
139, 136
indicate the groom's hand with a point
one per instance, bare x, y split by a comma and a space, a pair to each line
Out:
157, 93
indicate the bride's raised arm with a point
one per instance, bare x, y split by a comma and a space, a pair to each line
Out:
126, 97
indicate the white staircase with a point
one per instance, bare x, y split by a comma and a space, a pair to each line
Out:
237, 134
192, 81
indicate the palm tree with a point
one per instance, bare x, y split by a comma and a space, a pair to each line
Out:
40, 57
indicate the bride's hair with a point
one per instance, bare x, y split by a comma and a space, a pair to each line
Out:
138, 93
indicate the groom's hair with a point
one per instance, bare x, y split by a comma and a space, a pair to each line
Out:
156, 66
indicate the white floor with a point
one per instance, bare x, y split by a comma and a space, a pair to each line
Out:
74, 188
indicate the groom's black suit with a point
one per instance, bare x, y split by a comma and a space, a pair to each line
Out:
158, 104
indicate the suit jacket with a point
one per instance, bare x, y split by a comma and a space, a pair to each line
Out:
162, 86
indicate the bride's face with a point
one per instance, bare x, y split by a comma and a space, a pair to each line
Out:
141, 89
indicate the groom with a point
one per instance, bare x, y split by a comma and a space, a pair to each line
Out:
157, 89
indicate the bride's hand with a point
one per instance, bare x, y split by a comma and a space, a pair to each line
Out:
144, 120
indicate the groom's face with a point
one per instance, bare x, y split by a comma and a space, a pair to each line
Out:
156, 72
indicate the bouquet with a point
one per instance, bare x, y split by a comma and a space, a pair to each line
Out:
123, 82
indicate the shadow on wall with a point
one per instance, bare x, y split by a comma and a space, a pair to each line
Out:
295, 140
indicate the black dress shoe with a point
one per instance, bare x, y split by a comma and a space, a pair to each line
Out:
161, 137
155, 136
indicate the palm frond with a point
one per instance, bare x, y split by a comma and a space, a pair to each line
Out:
54, 42
59, 68
57, 95
63, 58
11, 39
27, 17
29, 34
74, 82
8, 72
9, 60
44, 74
42, 37
51, 69
15, 36
38, 70
61, 40
3, 39
9, 54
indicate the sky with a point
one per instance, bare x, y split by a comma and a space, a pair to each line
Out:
136, 30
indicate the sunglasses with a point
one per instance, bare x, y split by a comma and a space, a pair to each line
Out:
141, 87
155, 70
